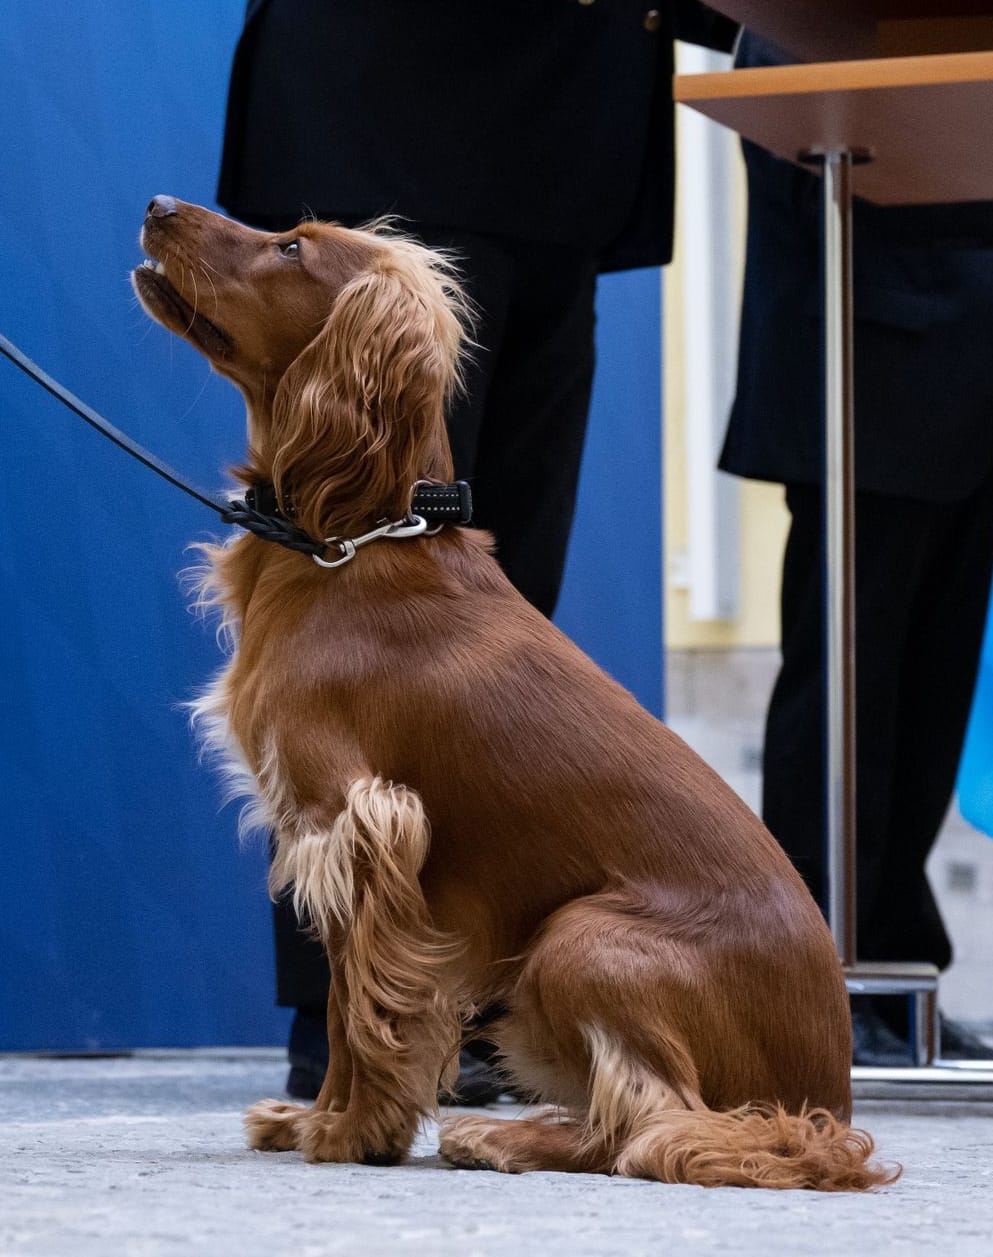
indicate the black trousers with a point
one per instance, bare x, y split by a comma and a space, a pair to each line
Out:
922, 587
517, 436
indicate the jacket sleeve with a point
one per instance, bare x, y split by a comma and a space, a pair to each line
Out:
696, 24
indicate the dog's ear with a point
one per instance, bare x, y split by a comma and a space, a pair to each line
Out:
359, 416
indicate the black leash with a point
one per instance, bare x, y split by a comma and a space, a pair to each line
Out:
91, 417
258, 512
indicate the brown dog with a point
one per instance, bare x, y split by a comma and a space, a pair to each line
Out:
468, 810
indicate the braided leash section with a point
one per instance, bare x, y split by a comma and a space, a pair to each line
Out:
259, 513
271, 528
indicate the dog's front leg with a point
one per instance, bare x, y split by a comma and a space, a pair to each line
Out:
399, 1020
337, 1085
360, 885
274, 1125
397, 1060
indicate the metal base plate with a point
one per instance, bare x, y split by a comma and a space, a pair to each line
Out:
944, 1080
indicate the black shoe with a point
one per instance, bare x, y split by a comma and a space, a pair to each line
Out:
957, 1043
303, 1084
478, 1082
308, 1054
875, 1044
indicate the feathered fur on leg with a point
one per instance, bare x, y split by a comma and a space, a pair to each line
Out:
359, 884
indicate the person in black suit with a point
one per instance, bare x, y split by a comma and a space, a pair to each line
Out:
923, 281
534, 138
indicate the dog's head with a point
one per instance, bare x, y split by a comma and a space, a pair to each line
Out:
346, 345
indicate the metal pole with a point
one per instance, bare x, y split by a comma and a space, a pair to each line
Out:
839, 574
917, 980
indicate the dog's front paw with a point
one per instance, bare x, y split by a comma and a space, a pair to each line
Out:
273, 1126
335, 1137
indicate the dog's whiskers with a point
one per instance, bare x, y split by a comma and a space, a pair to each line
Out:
205, 268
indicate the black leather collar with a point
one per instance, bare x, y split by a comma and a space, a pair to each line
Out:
432, 506
435, 503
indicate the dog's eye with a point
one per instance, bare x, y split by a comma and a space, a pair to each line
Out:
288, 248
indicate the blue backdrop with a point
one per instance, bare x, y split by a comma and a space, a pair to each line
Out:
128, 915
975, 778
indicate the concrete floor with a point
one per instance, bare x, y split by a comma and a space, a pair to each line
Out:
144, 1157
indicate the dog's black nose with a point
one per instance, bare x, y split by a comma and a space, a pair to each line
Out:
161, 207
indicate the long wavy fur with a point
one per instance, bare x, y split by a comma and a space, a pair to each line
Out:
754, 1146
650, 1129
359, 416
639, 1125
625, 908
358, 882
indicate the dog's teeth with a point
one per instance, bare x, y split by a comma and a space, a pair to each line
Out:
159, 268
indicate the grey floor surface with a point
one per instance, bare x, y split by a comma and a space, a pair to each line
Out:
144, 1156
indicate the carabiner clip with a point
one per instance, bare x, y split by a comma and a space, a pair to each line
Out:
411, 526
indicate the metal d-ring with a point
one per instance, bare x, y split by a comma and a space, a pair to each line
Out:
428, 484
410, 526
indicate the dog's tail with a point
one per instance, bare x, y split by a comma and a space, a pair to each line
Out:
753, 1147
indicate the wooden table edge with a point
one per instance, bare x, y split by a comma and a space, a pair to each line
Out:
836, 76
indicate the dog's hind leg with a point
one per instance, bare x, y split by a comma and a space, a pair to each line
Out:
608, 1017
359, 884
588, 1031
550, 1141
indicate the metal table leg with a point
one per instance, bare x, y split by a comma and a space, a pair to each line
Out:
919, 981
839, 550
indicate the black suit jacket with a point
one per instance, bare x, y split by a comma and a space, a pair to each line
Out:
544, 120
923, 337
